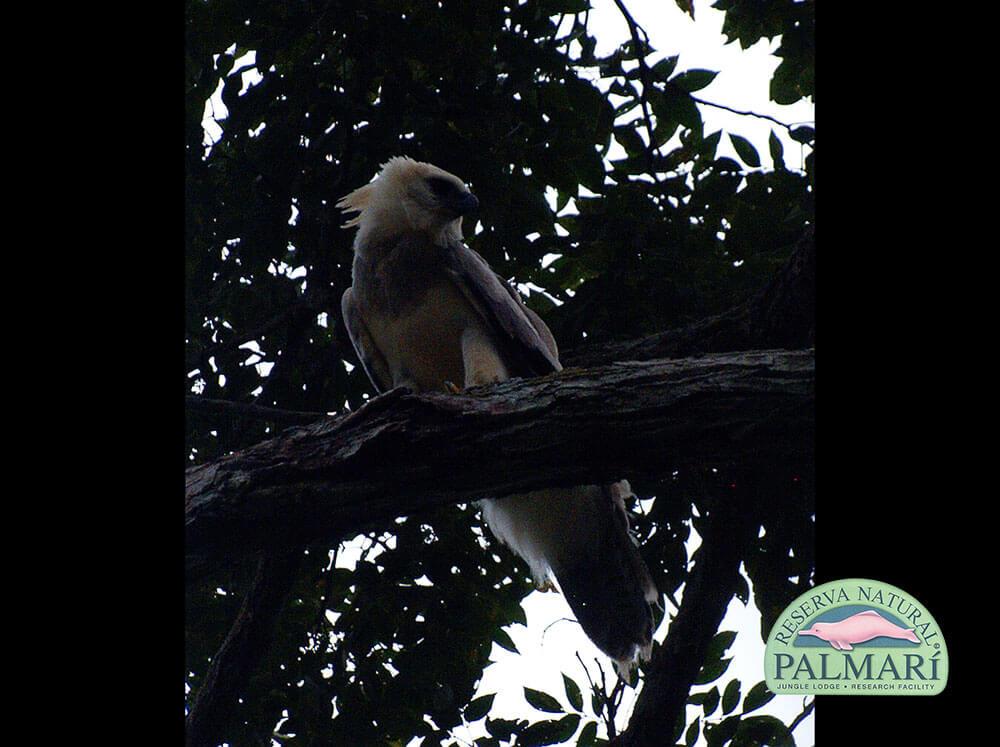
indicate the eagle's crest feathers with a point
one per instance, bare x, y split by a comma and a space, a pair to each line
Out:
408, 196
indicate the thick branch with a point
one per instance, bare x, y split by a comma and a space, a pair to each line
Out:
234, 662
404, 452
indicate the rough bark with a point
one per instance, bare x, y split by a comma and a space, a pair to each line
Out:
403, 452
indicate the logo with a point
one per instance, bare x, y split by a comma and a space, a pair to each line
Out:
856, 637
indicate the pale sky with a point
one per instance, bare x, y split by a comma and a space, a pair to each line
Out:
744, 75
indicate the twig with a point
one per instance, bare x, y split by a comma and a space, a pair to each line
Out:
246, 410
453, 735
586, 672
802, 716
746, 113
609, 721
557, 620
634, 28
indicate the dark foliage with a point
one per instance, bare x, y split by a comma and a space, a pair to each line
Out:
509, 97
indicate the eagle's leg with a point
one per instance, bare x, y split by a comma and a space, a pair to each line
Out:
481, 359
580, 535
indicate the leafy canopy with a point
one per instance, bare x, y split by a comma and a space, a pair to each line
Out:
512, 98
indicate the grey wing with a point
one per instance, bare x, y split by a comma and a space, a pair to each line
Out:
527, 343
536, 321
368, 353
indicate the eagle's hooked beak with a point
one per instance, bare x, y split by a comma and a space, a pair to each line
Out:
463, 203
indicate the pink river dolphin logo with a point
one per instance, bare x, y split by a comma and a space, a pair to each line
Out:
857, 629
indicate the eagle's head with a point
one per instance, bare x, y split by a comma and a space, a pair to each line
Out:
409, 196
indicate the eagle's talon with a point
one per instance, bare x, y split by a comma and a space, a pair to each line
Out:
451, 387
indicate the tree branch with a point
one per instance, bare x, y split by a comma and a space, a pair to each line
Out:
236, 659
732, 526
742, 113
784, 309
247, 410
403, 452
781, 315
641, 48
809, 707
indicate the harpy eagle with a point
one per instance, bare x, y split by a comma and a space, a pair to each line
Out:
428, 313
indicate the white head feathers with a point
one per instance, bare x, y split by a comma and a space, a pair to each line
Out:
408, 196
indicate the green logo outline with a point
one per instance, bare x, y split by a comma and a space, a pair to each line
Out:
856, 636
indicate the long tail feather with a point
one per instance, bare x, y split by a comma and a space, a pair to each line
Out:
611, 593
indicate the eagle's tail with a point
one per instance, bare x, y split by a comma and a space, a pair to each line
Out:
580, 535
610, 589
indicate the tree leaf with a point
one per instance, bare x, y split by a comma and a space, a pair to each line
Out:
694, 80
803, 134
709, 145
759, 695
503, 640
711, 701
731, 696
727, 165
675, 105
692, 732
777, 155
589, 169
718, 734
758, 730
712, 671
720, 642
588, 735
663, 68
501, 728
597, 703
745, 150
478, 707
743, 589
573, 693
542, 701
552, 731
687, 6
517, 614
629, 139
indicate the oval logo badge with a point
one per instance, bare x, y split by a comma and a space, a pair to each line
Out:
856, 637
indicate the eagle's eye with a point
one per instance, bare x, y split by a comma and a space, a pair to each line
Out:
441, 187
